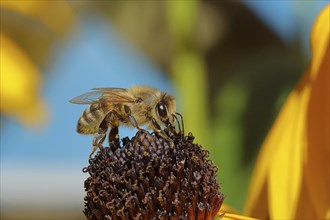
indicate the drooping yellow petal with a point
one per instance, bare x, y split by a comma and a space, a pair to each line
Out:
317, 165
230, 216
305, 207
227, 208
285, 173
20, 84
294, 159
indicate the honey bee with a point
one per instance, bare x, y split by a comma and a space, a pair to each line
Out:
133, 107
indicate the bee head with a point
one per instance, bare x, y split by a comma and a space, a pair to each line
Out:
165, 108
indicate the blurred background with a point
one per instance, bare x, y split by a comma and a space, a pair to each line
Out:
230, 65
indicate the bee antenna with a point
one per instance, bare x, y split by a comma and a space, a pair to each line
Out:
177, 113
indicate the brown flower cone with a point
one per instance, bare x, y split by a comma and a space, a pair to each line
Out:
150, 178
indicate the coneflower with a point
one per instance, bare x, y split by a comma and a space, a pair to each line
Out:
150, 178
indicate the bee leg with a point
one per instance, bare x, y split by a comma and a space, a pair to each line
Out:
113, 135
158, 130
97, 142
131, 118
99, 137
182, 124
113, 138
170, 128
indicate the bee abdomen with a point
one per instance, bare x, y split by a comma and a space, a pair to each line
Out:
90, 120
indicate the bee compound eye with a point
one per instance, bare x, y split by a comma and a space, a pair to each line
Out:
161, 109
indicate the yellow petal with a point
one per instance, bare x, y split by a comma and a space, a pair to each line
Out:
285, 174
305, 207
227, 208
230, 216
294, 159
20, 82
317, 166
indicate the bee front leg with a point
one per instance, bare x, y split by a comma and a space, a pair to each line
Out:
158, 130
131, 118
99, 137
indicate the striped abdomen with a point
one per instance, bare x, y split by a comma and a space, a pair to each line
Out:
91, 119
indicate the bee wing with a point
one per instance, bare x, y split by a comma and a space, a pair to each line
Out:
112, 90
113, 95
87, 98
